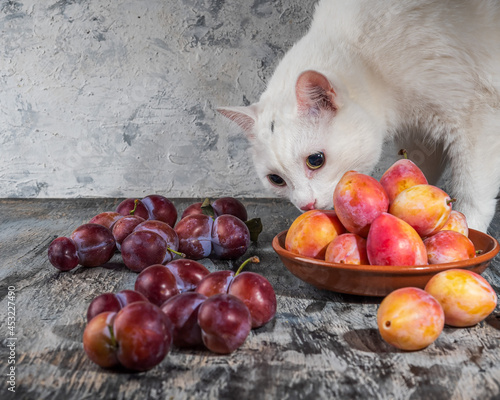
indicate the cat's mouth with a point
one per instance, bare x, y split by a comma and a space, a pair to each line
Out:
314, 205
308, 207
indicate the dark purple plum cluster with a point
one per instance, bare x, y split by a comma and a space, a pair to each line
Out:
181, 303
220, 229
143, 231
175, 300
149, 221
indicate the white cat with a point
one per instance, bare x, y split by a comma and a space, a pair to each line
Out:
419, 71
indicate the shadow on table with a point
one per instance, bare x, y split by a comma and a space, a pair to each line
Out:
494, 320
369, 341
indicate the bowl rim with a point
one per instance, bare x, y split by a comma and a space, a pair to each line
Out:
391, 269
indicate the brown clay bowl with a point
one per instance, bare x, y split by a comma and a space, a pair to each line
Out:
378, 280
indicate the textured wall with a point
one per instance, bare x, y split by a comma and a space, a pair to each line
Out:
117, 98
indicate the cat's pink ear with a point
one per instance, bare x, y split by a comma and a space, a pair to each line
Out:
244, 116
314, 93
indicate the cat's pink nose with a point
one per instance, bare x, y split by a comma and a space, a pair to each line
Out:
308, 207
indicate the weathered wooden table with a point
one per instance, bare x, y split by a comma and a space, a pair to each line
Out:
321, 344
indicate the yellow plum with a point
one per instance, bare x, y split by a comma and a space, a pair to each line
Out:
400, 176
391, 241
457, 222
410, 318
466, 297
347, 248
448, 246
312, 231
425, 207
358, 199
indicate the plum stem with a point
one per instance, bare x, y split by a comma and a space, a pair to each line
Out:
253, 259
403, 153
132, 211
176, 252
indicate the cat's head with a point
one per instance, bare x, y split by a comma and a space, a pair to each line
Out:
303, 142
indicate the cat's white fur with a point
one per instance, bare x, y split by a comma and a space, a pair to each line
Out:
424, 70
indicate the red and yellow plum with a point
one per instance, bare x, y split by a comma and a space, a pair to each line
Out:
457, 222
425, 207
466, 297
400, 176
358, 199
312, 231
410, 319
391, 241
347, 248
448, 246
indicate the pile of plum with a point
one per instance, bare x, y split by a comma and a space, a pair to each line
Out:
176, 300
181, 304
400, 220
144, 231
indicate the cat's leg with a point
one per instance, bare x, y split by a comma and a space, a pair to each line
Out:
475, 170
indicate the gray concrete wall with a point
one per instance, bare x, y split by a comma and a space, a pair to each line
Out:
117, 98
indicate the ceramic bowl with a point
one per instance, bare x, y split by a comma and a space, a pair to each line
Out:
377, 280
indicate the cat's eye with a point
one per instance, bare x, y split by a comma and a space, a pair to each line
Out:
276, 180
316, 160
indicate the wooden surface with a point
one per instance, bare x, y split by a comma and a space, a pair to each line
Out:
321, 345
